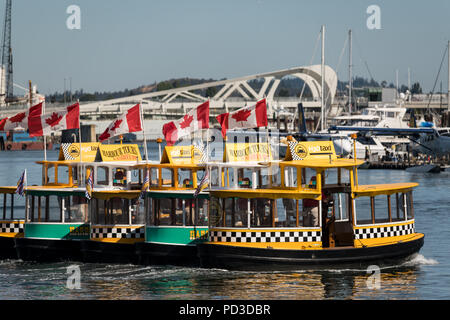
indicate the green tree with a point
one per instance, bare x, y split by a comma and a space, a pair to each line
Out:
416, 88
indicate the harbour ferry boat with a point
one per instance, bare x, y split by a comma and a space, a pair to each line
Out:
57, 212
307, 210
11, 223
117, 214
176, 213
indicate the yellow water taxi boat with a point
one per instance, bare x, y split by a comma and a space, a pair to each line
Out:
307, 210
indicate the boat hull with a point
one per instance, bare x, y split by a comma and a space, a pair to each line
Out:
7, 249
108, 252
245, 258
156, 253
47, 250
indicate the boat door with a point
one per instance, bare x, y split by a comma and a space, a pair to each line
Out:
337, 226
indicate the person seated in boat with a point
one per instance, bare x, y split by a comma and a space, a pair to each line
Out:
245, 183
187, 183
311, 208
120, 178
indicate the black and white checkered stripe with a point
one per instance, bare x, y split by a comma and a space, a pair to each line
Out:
265, 236
384, 232
65, 149
117, 233
292, 145
11, 227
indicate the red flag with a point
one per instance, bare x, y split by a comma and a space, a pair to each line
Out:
245, 118
43, 125
126, 123
20, 120
197, 118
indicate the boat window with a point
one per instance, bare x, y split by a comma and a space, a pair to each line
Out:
263, 178
262, 213
120, 177
381, 209
236, 212
275, 172
154, 177
410, 205
63, 174
50, 174
75, 209
400, 207
99, 211
169, 212
103, 176
167, 177
137, 211
391, 114
290, 177
366, 140
202, 212
185, 179
215, 177
341, 206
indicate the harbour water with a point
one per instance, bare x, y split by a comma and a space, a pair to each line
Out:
424, 276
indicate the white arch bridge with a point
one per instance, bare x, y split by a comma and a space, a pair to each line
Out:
231, 94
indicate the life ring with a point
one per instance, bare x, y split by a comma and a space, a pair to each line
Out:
8, 147
24, 146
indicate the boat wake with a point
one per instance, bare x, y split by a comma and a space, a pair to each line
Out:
419, 260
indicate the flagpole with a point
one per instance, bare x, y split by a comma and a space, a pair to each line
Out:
79, 131
141, 113
207, 135
45, 138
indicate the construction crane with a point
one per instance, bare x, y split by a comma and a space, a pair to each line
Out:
7, 57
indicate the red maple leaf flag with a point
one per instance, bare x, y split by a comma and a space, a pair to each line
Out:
126, 123
244, 118
196, 119
20, 121
45, 124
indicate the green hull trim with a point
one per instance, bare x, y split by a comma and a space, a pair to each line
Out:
176, 235
62, 231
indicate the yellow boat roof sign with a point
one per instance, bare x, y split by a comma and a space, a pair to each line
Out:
247, 152
118, 152
310, 150
183, 155
71, 151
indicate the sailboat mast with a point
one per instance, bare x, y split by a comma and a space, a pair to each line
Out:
322, 126
448, 91
350, 76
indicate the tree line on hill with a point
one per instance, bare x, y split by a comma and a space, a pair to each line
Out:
289, 87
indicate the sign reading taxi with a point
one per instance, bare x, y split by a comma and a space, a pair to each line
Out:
308, 150
71, 151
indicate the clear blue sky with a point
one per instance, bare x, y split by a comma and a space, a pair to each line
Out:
125, 44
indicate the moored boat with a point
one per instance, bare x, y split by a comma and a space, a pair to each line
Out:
308, 210
11, 226
176, 215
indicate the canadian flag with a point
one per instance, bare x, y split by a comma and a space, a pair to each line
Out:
197, 118
245, 118
126, 123
20, 120
44, 124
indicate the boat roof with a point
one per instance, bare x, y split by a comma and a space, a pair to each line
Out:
273, 193
377, 189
